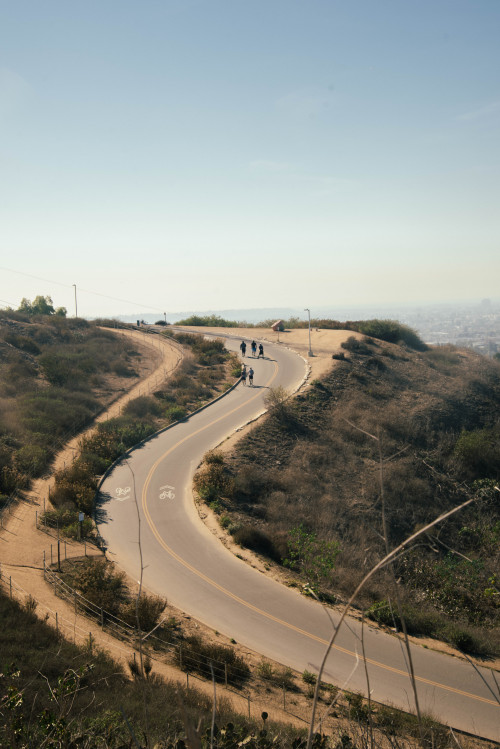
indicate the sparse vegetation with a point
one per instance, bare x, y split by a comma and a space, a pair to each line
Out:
311, 466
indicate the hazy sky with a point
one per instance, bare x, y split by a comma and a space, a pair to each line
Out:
198, 154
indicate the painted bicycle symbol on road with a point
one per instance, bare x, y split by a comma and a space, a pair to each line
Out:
122, 493
167, 492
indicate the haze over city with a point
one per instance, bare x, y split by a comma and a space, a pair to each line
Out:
193, 156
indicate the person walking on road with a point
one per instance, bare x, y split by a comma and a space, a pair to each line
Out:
250, 377
243, 348
254, 348
261, 351
244, 374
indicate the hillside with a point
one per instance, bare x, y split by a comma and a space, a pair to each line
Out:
56, 375
312, 470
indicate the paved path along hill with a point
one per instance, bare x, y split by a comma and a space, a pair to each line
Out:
184, 562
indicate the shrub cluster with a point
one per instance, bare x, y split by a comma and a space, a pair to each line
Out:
99, 582
52, 374
211, 659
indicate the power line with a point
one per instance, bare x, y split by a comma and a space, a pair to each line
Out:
116, 299
38, 278
87, 291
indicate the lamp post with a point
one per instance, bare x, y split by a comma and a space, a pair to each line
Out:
76, 305
310, 353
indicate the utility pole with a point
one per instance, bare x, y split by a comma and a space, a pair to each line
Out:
76, 305
310, 353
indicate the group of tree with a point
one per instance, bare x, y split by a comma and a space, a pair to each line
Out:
41, 305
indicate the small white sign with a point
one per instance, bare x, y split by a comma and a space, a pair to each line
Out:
80, 517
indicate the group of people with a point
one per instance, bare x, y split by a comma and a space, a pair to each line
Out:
244, 375
250, 373
253, 346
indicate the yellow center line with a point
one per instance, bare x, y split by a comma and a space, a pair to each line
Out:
250, 606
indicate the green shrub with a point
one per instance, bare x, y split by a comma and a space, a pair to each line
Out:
392, 332
313, 557
477, 453
265, 670
209, 321
32, 459
142, 406
257, 540
464, 640
123, 370
211, 481
356, 346
175, 413
309, 678
99, 583
148, 608
201, 657
358, 709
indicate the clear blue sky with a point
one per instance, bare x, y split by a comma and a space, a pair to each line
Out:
190, 154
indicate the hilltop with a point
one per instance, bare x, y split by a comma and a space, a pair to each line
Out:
312, 465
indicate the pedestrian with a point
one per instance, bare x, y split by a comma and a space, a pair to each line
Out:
250, 376
244, 374
254, 348
261, 351
243, 348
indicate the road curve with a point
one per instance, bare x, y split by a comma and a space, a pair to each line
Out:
148, 496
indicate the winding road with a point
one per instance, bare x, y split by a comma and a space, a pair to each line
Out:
148, 496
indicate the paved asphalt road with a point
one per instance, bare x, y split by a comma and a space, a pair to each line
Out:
184, 562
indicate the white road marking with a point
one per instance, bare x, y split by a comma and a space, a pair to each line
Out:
167, 492
122, 493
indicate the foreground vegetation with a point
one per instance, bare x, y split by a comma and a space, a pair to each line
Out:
56, 694
306, 483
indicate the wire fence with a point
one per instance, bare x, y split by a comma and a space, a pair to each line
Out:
128, 641
251, 693
158, 647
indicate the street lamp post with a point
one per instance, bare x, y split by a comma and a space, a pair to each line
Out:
310, 353
76, 305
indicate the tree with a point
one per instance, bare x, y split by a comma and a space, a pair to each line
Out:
311, 556
41, 305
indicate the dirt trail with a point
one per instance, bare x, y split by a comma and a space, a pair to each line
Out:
22, 544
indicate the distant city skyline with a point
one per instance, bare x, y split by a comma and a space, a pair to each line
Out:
189, 154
